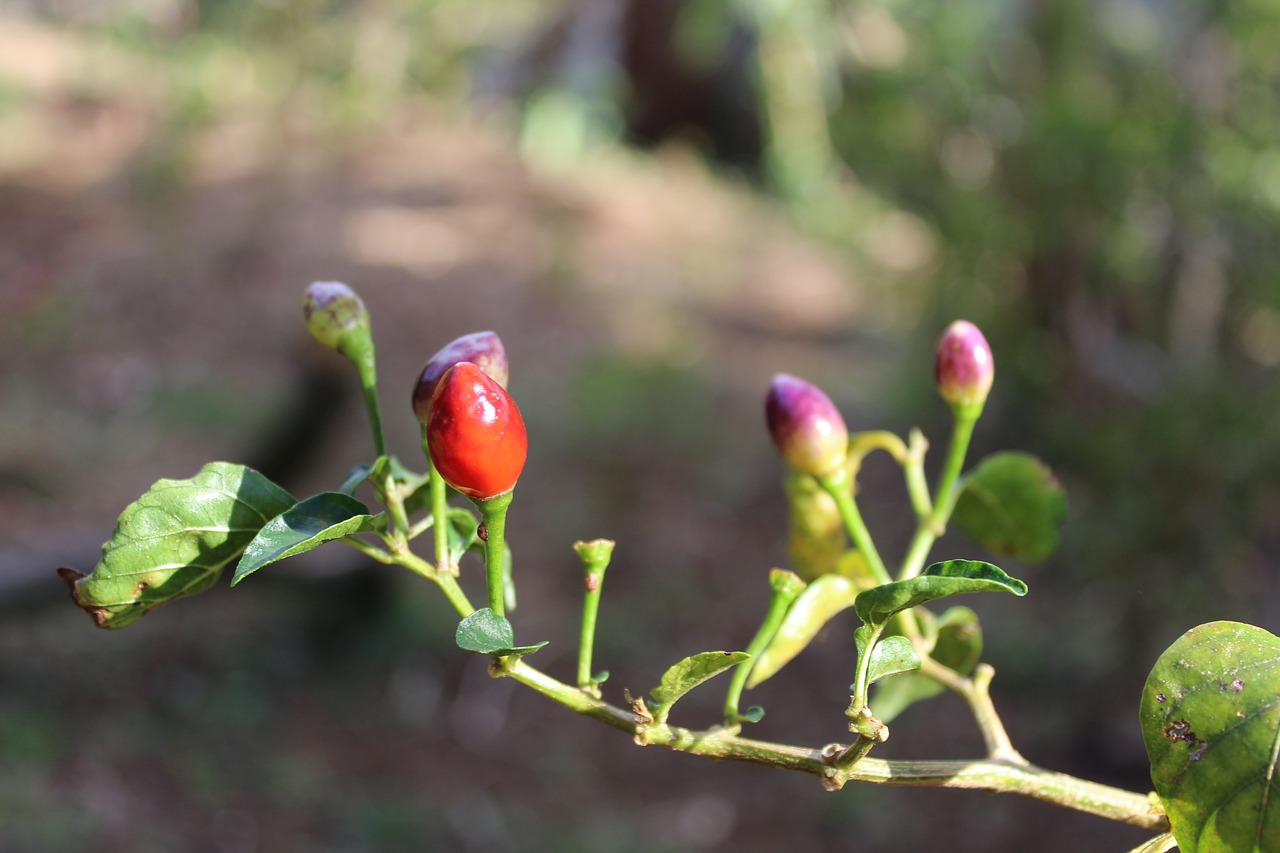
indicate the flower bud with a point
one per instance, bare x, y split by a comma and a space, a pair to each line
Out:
483, 349
333, 311
963, 366
475, 433
806, 426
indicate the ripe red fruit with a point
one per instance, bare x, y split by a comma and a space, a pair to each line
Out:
475, 433
483, 349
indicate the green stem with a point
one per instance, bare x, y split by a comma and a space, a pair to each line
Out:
840, 489
449, 586
439, 511
913, 467
945, 497
394, 502
786, 586
448, 583
976, 691
935, 523
493, 520
366, 366
997, 776
863, 672
595, 556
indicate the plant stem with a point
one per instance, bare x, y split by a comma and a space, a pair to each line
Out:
989, 775
945, 497
439, 511
976, 691
595, 557
913, 468
840, 489
366, 367
447, 582
935, 523
493, 519
786, 586
449, 586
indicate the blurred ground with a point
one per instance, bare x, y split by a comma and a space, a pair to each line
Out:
156, 232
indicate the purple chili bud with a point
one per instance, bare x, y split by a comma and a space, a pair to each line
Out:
806, 426
333, 312
963, 366
483, 349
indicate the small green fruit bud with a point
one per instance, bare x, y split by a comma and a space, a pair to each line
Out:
963, 366
483, 349
786, 584
806, 427
333, 312
595, 554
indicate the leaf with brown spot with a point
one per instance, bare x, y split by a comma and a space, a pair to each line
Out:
1211, 721
175, 540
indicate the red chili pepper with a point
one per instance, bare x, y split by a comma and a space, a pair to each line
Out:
475, 433
483, 349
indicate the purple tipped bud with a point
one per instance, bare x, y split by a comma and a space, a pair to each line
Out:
483, 349
806, 426
333, 311
963, 366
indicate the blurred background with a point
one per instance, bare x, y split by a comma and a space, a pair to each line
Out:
657, 205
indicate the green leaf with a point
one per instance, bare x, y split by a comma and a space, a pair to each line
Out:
306, 525
391, 466
1012, 504
958, 647
941, 580
355, 477
891, 656
1211, 720
462, 528
486, 632
688, 674
812, 609
175, 540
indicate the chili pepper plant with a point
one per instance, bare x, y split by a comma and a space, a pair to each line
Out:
1209, 712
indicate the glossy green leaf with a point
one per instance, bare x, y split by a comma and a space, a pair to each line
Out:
940, 580
688, 674
306, 525
891, 656
958, 646
486, 632
1012, 504
175, 540
1211, 721
813, 608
